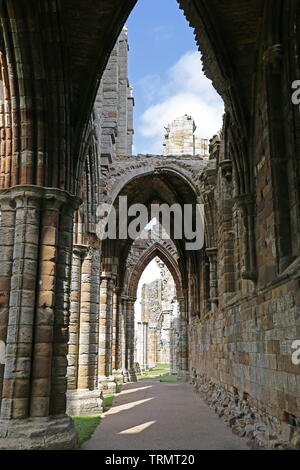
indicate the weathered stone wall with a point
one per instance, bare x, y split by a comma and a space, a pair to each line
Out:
241, 351
115, 103
157, 334
180, 139
240, 359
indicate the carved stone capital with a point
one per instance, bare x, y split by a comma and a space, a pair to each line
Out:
80, 251
226, 167
59, 197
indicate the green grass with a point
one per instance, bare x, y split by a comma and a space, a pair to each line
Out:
86, 426
160, 371
169, 378
108, 401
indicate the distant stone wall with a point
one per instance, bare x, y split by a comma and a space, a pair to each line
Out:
115, 103
158, 330
180, 139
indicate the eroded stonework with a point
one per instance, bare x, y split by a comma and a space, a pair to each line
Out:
158, 332
180, 139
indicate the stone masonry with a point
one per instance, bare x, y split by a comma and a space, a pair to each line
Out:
180, 139
156, 339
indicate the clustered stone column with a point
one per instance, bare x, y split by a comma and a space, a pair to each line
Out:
105, 377
183, 371
84, 393
121, 337
212, 254
36, 232
124, 338
152, 347
117, 338
129, 342
7, 225
174, 338
145, 345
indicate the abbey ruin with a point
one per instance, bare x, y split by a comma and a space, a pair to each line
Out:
67, 325
180, 139
158, 332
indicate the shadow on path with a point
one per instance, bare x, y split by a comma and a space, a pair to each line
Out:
151, 415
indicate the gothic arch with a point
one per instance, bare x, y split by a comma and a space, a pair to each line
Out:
157, 250
148, 169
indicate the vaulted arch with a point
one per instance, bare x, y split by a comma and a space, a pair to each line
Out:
157, 250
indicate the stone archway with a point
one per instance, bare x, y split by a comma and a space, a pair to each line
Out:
172, 182
180, 351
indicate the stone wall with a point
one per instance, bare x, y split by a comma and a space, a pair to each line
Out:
115, 103
241, 350
180, 139
240, 360
157, 333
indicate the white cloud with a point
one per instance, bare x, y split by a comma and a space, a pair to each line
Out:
149, 86
207, 118
161, 33
186, 90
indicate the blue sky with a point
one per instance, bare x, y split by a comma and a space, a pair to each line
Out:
165, 70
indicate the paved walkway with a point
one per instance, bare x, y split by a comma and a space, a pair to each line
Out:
151, 415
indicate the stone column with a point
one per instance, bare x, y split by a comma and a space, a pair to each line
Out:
79, 252
130, 338
145, 346
246, 204
183, 371
139, 344
120, 336
173, 349
116, 338
128, 306
33, 403
152, 347
175, 343
7, 235
157, 346
84, 394
105, 377
124, 341
213, 283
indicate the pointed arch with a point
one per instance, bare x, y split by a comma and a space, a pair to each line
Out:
157, 250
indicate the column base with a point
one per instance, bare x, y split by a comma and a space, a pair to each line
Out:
129, 376
118, 377
132, 375
57, 433
108, 384
84, 402
183, 376
126, 377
